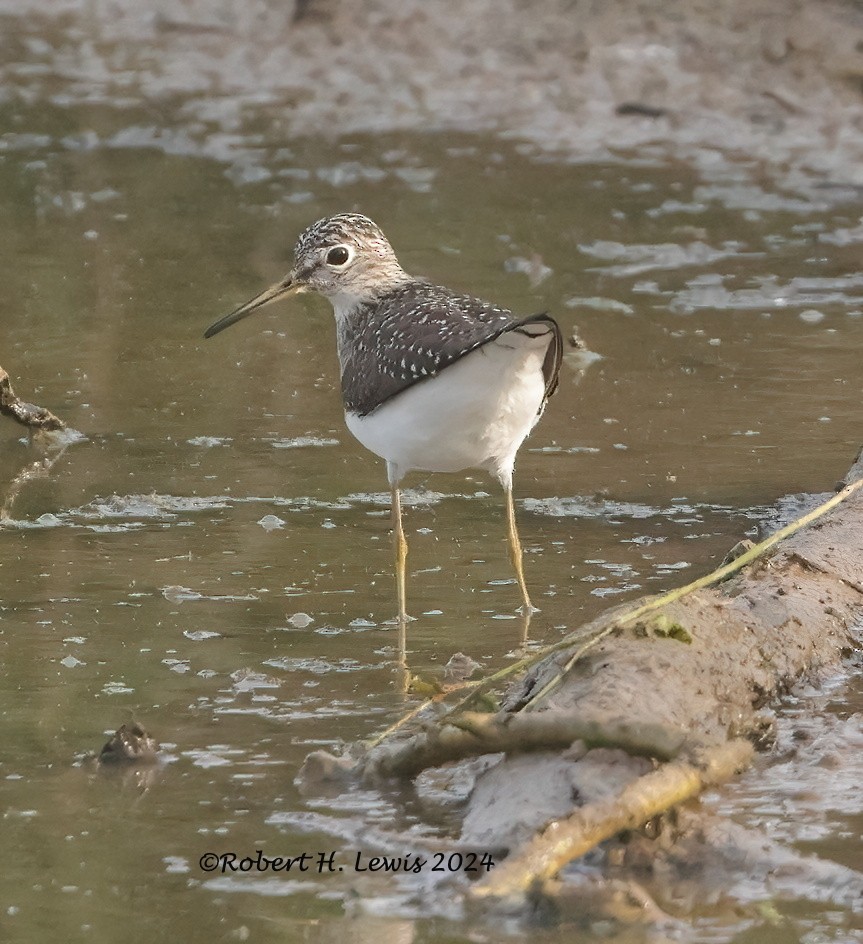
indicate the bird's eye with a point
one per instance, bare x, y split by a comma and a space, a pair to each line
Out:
338, 256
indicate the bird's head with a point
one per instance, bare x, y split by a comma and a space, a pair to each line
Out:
344, 257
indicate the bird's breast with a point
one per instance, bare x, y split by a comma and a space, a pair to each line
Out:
473, 414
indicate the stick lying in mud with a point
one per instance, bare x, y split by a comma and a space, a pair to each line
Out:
680, 679
472, 733
27, 414
563, 840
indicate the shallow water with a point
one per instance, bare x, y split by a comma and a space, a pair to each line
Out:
213, 557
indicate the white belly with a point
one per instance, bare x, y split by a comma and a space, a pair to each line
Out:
474, 414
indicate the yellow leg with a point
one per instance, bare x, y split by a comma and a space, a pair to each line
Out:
401, 549
515, 552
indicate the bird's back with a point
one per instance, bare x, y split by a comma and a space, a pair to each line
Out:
415, 330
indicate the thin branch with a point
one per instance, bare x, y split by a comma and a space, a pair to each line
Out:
474, 733
557, 729
566, 839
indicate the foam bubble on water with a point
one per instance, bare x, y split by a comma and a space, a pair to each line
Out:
271, 523
209, 442
300, 620
633, 259
304, 442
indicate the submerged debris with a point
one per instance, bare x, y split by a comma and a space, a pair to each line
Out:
28, 414
129, 744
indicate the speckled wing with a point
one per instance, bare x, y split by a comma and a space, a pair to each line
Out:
416, 331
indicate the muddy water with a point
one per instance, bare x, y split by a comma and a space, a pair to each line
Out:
212, 557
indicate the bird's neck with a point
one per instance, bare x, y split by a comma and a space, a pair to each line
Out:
352, 315
367, 286
359, 300
347, 305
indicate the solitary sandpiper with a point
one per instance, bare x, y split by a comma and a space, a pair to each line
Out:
432, 381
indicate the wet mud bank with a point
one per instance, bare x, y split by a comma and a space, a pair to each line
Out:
774, 81
646, 708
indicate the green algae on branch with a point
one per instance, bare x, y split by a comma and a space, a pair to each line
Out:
28, 414
663, 625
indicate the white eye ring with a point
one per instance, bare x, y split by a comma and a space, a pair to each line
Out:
339, 256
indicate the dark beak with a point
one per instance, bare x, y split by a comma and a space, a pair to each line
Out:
273, 293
